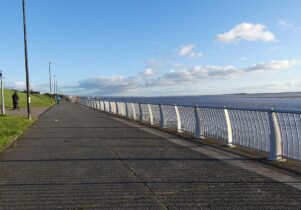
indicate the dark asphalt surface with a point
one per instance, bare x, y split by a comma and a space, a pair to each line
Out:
75, 158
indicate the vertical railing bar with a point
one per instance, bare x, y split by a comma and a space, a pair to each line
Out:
229, 128
296, 136
134, 111
126, 110
117, 108
199, 131
256, 123
286, 133
140, 112
162, 117
151, 118
178, 117
275, 137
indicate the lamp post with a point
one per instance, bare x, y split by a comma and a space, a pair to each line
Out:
26, 62
50, 89
2, 93
54, 83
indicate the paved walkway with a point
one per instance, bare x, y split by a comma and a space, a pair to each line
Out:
35, 111
76, 158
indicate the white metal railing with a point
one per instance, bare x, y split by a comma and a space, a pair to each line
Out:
277, 132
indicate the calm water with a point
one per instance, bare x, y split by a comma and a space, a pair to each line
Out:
229, 101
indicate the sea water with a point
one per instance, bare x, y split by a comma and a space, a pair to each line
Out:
282, 103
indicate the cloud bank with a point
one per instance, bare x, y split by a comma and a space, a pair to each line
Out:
149, 80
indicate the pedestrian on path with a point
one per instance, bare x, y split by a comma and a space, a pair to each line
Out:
58, 99
15, 98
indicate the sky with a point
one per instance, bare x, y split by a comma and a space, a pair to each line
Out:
154, 47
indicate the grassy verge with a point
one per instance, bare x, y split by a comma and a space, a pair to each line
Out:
11, 128
37, 100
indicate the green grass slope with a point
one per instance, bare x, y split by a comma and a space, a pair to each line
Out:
11, 128
37, 100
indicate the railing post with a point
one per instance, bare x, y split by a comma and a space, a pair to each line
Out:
101, 106
127, 115
96, 104
104, 106
140, 113
162, 117
275, 137
179, 125
107, 106
229, 128
110, 107
199, 132
134, 112
151, 118
117, 109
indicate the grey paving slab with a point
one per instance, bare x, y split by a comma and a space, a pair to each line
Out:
76, 158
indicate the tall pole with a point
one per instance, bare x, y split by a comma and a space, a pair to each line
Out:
2, 93
56, 87
54, 83
50, 76
26, 62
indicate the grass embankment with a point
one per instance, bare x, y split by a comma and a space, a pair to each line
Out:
37, 100
11, 128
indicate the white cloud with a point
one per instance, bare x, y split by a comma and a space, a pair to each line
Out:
21, 85
247, 31
274, 65
148, 72
18, 85
188, 51
285, 23
288, 24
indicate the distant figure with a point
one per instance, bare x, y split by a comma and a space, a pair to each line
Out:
58, 99
15, 98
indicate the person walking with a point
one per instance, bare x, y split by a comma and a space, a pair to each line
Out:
58, 99
15, 98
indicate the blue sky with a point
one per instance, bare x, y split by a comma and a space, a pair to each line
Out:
155, 47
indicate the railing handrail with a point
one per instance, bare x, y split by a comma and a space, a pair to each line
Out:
289, 111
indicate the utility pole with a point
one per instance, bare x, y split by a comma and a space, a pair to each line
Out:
26, 62
50, 76
54, 83
56, 87
2, 93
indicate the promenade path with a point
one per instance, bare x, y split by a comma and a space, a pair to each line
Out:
77, 158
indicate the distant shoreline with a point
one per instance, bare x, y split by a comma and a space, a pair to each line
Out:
284, 95
267, 95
